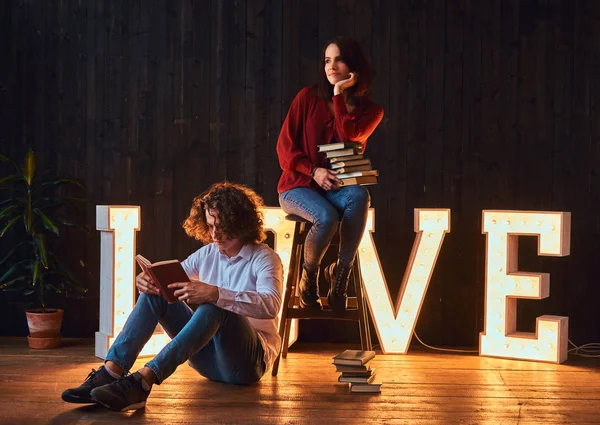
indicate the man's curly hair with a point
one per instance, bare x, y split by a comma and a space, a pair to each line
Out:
239, 213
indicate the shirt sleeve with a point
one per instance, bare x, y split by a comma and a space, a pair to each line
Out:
191, 265
350, 128
291, 157
264, 303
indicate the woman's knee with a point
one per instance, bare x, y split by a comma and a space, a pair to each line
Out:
359, 196
327, 220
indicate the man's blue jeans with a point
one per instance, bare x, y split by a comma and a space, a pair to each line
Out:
220, 345
350, 204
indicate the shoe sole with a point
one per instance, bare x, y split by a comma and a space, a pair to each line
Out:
134, 406
78, 400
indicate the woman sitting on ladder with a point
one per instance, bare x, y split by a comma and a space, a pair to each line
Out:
338, 109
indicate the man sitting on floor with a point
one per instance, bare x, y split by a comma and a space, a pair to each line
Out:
231, 336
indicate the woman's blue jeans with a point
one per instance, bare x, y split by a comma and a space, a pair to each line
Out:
218, 344
350, 204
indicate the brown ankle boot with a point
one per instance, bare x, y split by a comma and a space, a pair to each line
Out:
309, 290
338, 274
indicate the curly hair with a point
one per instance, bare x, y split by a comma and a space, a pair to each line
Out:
239, 213
354, 57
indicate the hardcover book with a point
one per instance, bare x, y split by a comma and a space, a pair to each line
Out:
353, 357
342, 153
163, 273
365, 368
344, 170
372, 387
357, 373
360, 180
358, 174
340, 164
346, 158
356, 379
339, 145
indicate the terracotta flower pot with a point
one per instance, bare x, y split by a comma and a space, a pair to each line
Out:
44, 328
43, 343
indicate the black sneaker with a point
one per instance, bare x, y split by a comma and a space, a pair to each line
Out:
81, 394
124, 394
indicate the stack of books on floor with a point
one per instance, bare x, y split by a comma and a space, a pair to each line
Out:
346, 158
357, 371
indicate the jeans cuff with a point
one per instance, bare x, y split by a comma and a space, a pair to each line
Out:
118, 363
156, 371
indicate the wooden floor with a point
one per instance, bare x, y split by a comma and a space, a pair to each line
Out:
423, 387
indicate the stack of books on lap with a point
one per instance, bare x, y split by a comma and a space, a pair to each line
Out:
356, 371
346, 158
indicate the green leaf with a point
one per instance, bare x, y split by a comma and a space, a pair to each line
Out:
28, 218
69, 224
36, 272
79, 288
6, 159
29, 167
9, 272
54, 288
61, 180
40, 241
7, 286
28, 292
48, 224
10, 178
66, 222
10, 253
13, 289
74, 283
6, 211
9, 225
64, 271
68, 277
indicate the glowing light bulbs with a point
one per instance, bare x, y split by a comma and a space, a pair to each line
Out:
394, 323
117, 225
395, 335
274, 218
505, 283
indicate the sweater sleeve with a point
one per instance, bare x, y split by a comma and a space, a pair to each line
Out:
291, 157
349, 128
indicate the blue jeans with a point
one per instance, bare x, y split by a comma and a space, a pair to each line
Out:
350, 204
218, 344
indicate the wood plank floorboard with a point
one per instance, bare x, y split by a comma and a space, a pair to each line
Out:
422, 387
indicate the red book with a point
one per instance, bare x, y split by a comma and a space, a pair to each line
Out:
163, 273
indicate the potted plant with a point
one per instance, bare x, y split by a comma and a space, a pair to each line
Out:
33, 216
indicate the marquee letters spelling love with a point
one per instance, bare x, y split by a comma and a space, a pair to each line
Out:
394, 322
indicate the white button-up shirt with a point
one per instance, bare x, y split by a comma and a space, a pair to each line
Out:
249, 284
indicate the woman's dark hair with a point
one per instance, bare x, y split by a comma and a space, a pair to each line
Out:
353, 56
239, 213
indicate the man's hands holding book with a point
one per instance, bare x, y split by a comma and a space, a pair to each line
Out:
145, 284
195, 292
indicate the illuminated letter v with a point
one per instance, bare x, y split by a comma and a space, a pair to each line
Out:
395, 325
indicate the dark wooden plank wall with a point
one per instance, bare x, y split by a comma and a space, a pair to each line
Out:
489, 104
